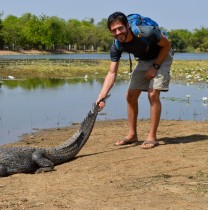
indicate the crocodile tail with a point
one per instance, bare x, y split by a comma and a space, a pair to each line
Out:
73, 145
88, 123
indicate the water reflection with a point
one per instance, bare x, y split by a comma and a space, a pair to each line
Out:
30, 84
43, 103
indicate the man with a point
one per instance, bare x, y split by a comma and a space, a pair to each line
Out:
151, 74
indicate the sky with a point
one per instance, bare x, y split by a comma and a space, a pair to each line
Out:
177, 14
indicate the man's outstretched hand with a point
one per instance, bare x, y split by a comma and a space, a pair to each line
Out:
101, 102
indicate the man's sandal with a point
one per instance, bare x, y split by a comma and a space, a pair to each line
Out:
127, 142
151, 144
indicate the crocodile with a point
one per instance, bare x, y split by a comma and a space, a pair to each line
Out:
15, 160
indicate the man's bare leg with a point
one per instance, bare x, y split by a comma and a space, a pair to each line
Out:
132, 109
155, 112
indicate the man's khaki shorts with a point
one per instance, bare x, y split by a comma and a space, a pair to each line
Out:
159, 82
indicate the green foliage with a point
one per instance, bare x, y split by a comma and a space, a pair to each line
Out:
180, 39
31, 31
73, 31
184, 40
51, 33
11, 32
1, 35
200, 39
104, 36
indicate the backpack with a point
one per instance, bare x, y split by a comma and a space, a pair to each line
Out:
135, 21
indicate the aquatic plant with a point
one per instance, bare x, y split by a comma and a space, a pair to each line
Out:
205, 100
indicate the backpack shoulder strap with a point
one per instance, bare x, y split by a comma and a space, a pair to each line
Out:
117, 45
135, 20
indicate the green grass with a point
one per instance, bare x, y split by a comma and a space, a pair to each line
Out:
185, 71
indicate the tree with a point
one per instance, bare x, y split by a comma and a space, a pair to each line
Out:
31, 31
180, 39
73, 33
88, 34
53, 32
104, 36
1, 35
200, 39
11, 32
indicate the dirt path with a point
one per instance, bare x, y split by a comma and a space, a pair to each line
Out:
21, 52
172, 176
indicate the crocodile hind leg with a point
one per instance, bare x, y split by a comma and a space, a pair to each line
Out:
45, 164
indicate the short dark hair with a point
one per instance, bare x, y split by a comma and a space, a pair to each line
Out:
117, 16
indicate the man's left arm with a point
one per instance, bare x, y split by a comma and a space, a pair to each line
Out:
165, 45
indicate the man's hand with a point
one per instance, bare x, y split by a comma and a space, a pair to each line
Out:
151, 73
101, 102
101, 105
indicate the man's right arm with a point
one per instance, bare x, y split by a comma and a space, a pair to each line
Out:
108, 83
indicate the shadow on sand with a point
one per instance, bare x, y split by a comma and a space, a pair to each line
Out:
184, 139
165, 140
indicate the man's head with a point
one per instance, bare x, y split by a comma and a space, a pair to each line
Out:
117, 16
118, 26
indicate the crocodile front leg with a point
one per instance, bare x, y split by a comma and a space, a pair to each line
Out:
3, 170
39, 157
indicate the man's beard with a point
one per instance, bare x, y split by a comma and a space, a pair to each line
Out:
122, 37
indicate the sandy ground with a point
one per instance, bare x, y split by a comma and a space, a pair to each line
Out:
18, 52
172, 176
15, 52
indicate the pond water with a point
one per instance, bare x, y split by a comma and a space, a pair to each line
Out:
27, 105
177, 56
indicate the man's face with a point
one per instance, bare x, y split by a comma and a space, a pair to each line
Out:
119, 31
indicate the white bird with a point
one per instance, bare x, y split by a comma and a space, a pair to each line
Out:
86, 77
10, 77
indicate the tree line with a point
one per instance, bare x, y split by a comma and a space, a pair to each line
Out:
51, 33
